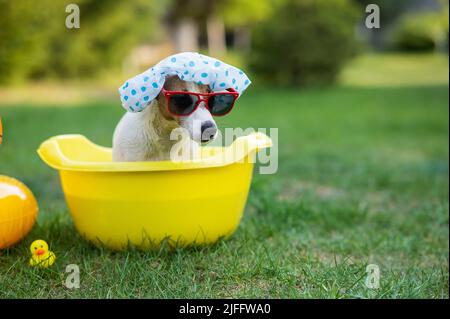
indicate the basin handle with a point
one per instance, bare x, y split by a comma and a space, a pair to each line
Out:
51, 154
247, 145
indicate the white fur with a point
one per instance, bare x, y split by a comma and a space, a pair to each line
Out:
145, 136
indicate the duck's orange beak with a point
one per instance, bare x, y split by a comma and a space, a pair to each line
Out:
40, 252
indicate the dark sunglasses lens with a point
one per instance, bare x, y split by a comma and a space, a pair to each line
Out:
182, 104
221, 104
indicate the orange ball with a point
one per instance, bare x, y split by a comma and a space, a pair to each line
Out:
18, 211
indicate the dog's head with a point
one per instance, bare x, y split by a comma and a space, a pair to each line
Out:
200, 124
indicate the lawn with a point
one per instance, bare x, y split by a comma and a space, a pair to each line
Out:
362, 179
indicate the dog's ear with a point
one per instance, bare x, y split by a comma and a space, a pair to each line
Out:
168, 85
174, 83
161, 99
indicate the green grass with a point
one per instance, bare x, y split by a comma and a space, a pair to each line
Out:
363, 178
396, 70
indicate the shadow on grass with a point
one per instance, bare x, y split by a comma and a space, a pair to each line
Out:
359, 141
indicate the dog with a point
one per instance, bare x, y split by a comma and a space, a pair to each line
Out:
145, 136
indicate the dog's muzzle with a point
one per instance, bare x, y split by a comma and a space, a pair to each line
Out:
209, 131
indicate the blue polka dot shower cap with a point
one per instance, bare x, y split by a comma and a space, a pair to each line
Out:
139, 91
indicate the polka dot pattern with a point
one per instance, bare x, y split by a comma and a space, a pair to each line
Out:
138, 92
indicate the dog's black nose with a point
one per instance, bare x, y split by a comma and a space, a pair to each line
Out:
209, 130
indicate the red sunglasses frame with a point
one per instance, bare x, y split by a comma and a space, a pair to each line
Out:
201, 98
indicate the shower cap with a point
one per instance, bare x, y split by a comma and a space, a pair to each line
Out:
137, 92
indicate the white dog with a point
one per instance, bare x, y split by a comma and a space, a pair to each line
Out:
182, 91
145, 136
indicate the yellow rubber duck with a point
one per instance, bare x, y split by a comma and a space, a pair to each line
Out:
40, 255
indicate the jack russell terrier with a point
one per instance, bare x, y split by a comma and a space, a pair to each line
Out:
182, 91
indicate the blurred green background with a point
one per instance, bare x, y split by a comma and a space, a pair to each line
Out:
310, 40
363, 142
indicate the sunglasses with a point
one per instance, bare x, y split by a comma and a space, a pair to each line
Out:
182, 103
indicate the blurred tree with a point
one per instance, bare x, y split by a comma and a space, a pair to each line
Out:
36, 43
183, 18
305, 42
421, 31
396, 27
389, 13
109, 30
24, 36
186, 18
256, 11
390, 10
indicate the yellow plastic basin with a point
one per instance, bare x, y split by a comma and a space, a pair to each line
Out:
143, 204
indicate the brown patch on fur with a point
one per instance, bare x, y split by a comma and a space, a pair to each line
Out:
174, 83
